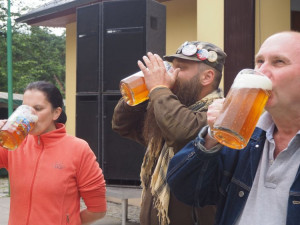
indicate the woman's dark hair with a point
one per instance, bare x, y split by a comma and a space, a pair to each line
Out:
52, 94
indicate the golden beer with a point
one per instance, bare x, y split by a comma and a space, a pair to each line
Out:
18, 125
133, 89
11, 138
242, 108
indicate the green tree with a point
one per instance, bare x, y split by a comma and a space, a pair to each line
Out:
37, 55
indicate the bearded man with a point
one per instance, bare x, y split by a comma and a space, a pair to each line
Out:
173, 115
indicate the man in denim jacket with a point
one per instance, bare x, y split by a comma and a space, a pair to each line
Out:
259, 184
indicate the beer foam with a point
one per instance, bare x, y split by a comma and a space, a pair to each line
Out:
33, 118
252, 81
28, 113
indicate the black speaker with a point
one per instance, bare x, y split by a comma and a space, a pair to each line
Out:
87, 120
111, 37
122, 158
88, 44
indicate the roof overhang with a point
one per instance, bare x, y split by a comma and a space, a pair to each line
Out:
57, 13
17, 100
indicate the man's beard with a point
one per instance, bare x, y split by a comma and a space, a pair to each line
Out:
187, 92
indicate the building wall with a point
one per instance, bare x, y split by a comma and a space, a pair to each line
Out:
210, 18
272, 16
71, 77
181, 23
210, 23
185, 24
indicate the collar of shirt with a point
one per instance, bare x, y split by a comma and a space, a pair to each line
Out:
267, 124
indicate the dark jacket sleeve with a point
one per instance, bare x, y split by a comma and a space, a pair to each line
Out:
193, 175
128, 120
177, 122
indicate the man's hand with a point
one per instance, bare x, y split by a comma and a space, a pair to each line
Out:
155, 72
212, 114
214, 111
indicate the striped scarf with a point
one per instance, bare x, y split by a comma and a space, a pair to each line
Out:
158, 184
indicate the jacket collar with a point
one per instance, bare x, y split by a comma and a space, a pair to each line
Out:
50, 138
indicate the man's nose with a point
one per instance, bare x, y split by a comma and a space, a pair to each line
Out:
264, 69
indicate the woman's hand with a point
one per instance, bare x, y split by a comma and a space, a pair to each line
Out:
88, 217
2, 122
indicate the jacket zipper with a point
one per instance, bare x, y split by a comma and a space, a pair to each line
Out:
33, 180
68, 219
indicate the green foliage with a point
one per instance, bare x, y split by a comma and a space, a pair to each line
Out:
37, 55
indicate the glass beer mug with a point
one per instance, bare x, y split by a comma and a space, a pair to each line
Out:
133, 88
18, 125
242, 108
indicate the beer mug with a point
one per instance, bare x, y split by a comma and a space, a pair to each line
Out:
133, 88
17, 127
242, 108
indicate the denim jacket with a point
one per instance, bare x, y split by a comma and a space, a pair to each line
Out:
223, 178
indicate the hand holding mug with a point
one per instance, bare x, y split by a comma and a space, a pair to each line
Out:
14, 130
241, 109
156, 72
2, 122
136, 87
214, 111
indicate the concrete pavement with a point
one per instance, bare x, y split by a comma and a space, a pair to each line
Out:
109, 219
4, 210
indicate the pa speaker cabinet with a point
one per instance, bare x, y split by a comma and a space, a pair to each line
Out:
112, 36
87, 121
122, 158
88, 52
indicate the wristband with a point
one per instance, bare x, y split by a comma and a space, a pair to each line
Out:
158, 86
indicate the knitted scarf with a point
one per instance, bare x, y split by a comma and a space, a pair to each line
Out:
159, 187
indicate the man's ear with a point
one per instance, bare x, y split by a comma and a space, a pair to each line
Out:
207, 77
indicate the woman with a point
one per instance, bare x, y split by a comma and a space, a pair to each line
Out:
51, 170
